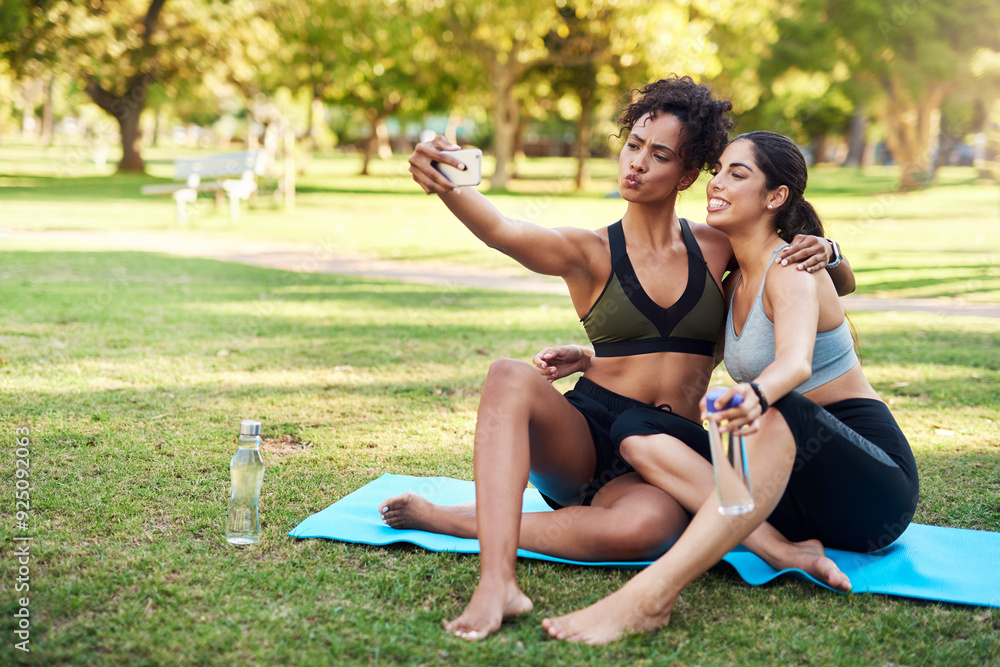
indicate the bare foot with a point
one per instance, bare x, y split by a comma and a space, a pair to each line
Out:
810, 557
490, 606
410, 511
623, 612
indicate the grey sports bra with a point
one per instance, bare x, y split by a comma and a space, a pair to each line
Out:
749, 353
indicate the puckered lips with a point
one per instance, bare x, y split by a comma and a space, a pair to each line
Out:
717, 204
632, 180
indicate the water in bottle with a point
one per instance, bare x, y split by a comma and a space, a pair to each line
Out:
732, 473
247, 472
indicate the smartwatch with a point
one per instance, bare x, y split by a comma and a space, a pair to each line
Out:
837, 257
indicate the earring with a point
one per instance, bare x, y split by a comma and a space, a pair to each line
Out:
769, 206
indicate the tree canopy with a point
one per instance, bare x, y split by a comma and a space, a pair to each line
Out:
810, 68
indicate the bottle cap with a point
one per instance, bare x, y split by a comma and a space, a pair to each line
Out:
249, 427
712, 396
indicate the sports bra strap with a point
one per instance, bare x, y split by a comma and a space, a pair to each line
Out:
616, 242
760, 292
690, 241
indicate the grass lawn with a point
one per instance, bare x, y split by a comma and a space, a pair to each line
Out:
131, 372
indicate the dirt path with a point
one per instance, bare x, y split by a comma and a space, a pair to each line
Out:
314, 259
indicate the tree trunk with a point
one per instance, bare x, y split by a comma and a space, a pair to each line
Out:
126, 109
28, 91
857, 139
382, 147
818, 146
157, 126
47, 134
371, 144
912, 127
507, 113
132, 162
316, 119
584, 131
378, 142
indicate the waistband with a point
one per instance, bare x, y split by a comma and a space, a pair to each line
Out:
850, 404
613, 401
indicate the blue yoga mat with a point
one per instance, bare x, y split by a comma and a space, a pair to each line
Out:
927, 562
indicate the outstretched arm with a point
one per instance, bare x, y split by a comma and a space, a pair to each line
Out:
812, 253
555, 252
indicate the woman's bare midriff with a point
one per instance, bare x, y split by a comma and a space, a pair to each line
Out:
678, 380
852, 384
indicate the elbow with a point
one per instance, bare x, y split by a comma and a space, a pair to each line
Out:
803, 371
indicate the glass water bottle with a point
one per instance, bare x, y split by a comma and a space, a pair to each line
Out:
247, 471
732, 473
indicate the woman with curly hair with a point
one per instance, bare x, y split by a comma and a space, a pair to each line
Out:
649, 356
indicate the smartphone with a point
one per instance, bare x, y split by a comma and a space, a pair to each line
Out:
472, 158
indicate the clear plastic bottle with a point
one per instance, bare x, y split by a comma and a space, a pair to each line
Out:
247, 472
732, 473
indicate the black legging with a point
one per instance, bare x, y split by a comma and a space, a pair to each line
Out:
854, 482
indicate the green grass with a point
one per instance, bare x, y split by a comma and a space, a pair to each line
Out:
133, 370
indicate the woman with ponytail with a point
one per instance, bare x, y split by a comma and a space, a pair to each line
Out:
830, 467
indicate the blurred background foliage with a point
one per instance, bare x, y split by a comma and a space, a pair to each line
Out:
913, 83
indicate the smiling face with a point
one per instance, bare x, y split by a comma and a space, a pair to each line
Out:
649, 165
738, 191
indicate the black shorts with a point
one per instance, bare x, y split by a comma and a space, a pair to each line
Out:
608, 415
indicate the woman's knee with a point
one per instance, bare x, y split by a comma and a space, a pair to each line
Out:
776, 437
645, 535
510, 372
655, 449
635, 449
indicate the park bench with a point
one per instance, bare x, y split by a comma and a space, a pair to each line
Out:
233, 175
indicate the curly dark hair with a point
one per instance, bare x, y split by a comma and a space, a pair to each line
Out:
706, 120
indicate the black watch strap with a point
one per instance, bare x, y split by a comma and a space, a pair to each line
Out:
760, 396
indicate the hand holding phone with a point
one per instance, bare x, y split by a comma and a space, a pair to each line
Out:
472, 158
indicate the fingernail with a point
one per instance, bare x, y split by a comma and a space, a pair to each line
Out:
784, 262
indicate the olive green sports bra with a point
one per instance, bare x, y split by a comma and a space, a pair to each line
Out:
624, 321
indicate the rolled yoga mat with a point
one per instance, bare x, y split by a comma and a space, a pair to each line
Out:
926, 562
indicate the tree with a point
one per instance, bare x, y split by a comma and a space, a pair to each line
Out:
118, 49
377, 56
914, 52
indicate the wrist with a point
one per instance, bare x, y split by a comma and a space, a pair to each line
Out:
835, 254
761, 397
